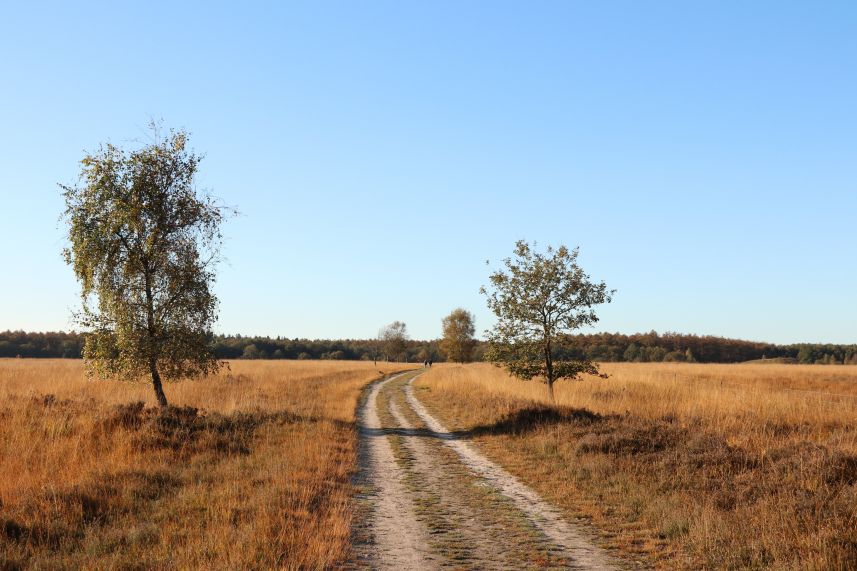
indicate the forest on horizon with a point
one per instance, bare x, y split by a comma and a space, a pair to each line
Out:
604, 347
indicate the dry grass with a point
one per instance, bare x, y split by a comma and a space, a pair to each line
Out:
694, 466
250, 470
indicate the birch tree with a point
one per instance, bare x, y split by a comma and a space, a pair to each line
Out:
143, 243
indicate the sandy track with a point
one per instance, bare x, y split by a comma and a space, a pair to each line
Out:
398, 524
398, 540
464, 532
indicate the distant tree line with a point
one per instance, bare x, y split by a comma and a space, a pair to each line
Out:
60, 344
52, 344
678, 347
241, 347
604, 347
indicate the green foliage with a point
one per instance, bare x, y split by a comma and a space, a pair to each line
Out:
655, 354
251, 352
539, 300
808, 354
458, 330
674, 357
143, 245
632, 353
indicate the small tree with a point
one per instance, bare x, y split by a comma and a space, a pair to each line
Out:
422, 355
655, 354
393, 339
674, 357
251, 352
539, 299
632, 353
458, 329
143, 244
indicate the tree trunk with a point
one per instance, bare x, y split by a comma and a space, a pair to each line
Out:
549, 369
150, 328
550, 393
156, 383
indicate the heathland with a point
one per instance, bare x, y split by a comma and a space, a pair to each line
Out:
685, 466
663, 465
251, 469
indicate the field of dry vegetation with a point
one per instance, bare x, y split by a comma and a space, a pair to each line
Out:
681, 465
251, 469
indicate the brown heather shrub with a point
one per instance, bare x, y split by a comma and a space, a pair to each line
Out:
250, 469
680, 465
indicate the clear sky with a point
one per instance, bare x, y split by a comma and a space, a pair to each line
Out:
703, 155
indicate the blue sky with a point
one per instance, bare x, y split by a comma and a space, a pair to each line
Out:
703, 155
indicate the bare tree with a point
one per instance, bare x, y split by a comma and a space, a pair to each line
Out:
393, 339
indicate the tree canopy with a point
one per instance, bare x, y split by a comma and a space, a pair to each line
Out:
143, 245
458, 329
540, 299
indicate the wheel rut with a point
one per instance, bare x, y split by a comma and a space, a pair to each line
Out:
392, 538
429, 500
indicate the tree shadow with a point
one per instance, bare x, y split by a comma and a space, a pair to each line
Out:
188, 430
536, 417
522, 421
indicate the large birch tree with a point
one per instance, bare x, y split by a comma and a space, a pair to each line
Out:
143, 245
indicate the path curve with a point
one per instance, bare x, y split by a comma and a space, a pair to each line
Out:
391, 536
583, 552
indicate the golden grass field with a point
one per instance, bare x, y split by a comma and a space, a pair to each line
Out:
258, 477
684, 465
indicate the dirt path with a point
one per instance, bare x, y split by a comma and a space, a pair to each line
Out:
396, 539
431, 500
